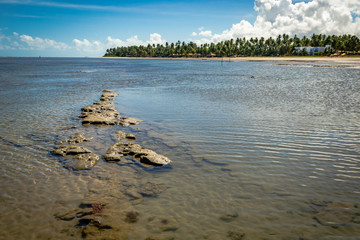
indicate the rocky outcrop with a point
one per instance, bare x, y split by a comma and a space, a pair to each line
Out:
93, 219
146, 156
82, 158
104, 112
99, 106
108, 96
103, 117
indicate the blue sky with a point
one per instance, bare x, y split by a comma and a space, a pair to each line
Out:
87, 28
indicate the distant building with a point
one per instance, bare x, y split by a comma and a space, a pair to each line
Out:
313, 50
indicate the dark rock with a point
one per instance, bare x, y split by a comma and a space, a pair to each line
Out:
97, 208
234, 235
163, 224
229, 217
132, 217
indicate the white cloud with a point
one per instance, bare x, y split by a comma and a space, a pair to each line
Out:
40, 43
207, 33
98, 48
155, 38
78, 47
331, 17
87, 46
204, 34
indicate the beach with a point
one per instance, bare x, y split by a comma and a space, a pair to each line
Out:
293, 59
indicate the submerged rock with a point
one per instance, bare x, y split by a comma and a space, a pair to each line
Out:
65, 150
131, 217
235, 235
147, 156
85, 161
229, 217
77, 138
83, 157
150, 189
122, 135
162, 224
126, 121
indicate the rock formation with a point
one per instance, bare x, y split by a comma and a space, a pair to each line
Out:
82, 158
147, 156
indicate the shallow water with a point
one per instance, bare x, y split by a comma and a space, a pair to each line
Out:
269, 151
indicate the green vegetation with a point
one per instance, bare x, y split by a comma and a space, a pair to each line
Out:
283, 45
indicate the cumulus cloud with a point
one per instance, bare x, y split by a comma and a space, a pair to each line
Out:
40, 43
207, 33
205, 36
79, 47
154, 38
88, 47
276, 17
98, 48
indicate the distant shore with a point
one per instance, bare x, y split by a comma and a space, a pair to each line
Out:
262, 59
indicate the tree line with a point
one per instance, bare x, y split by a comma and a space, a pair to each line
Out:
283, 45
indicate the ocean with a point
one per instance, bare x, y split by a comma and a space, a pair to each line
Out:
259, 150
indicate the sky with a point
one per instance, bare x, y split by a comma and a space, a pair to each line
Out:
80, 28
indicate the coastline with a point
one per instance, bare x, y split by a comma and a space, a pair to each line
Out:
259, 59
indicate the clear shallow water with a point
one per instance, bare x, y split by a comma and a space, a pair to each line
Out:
267, 150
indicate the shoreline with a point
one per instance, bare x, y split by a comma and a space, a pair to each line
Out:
346, 59
257, 59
